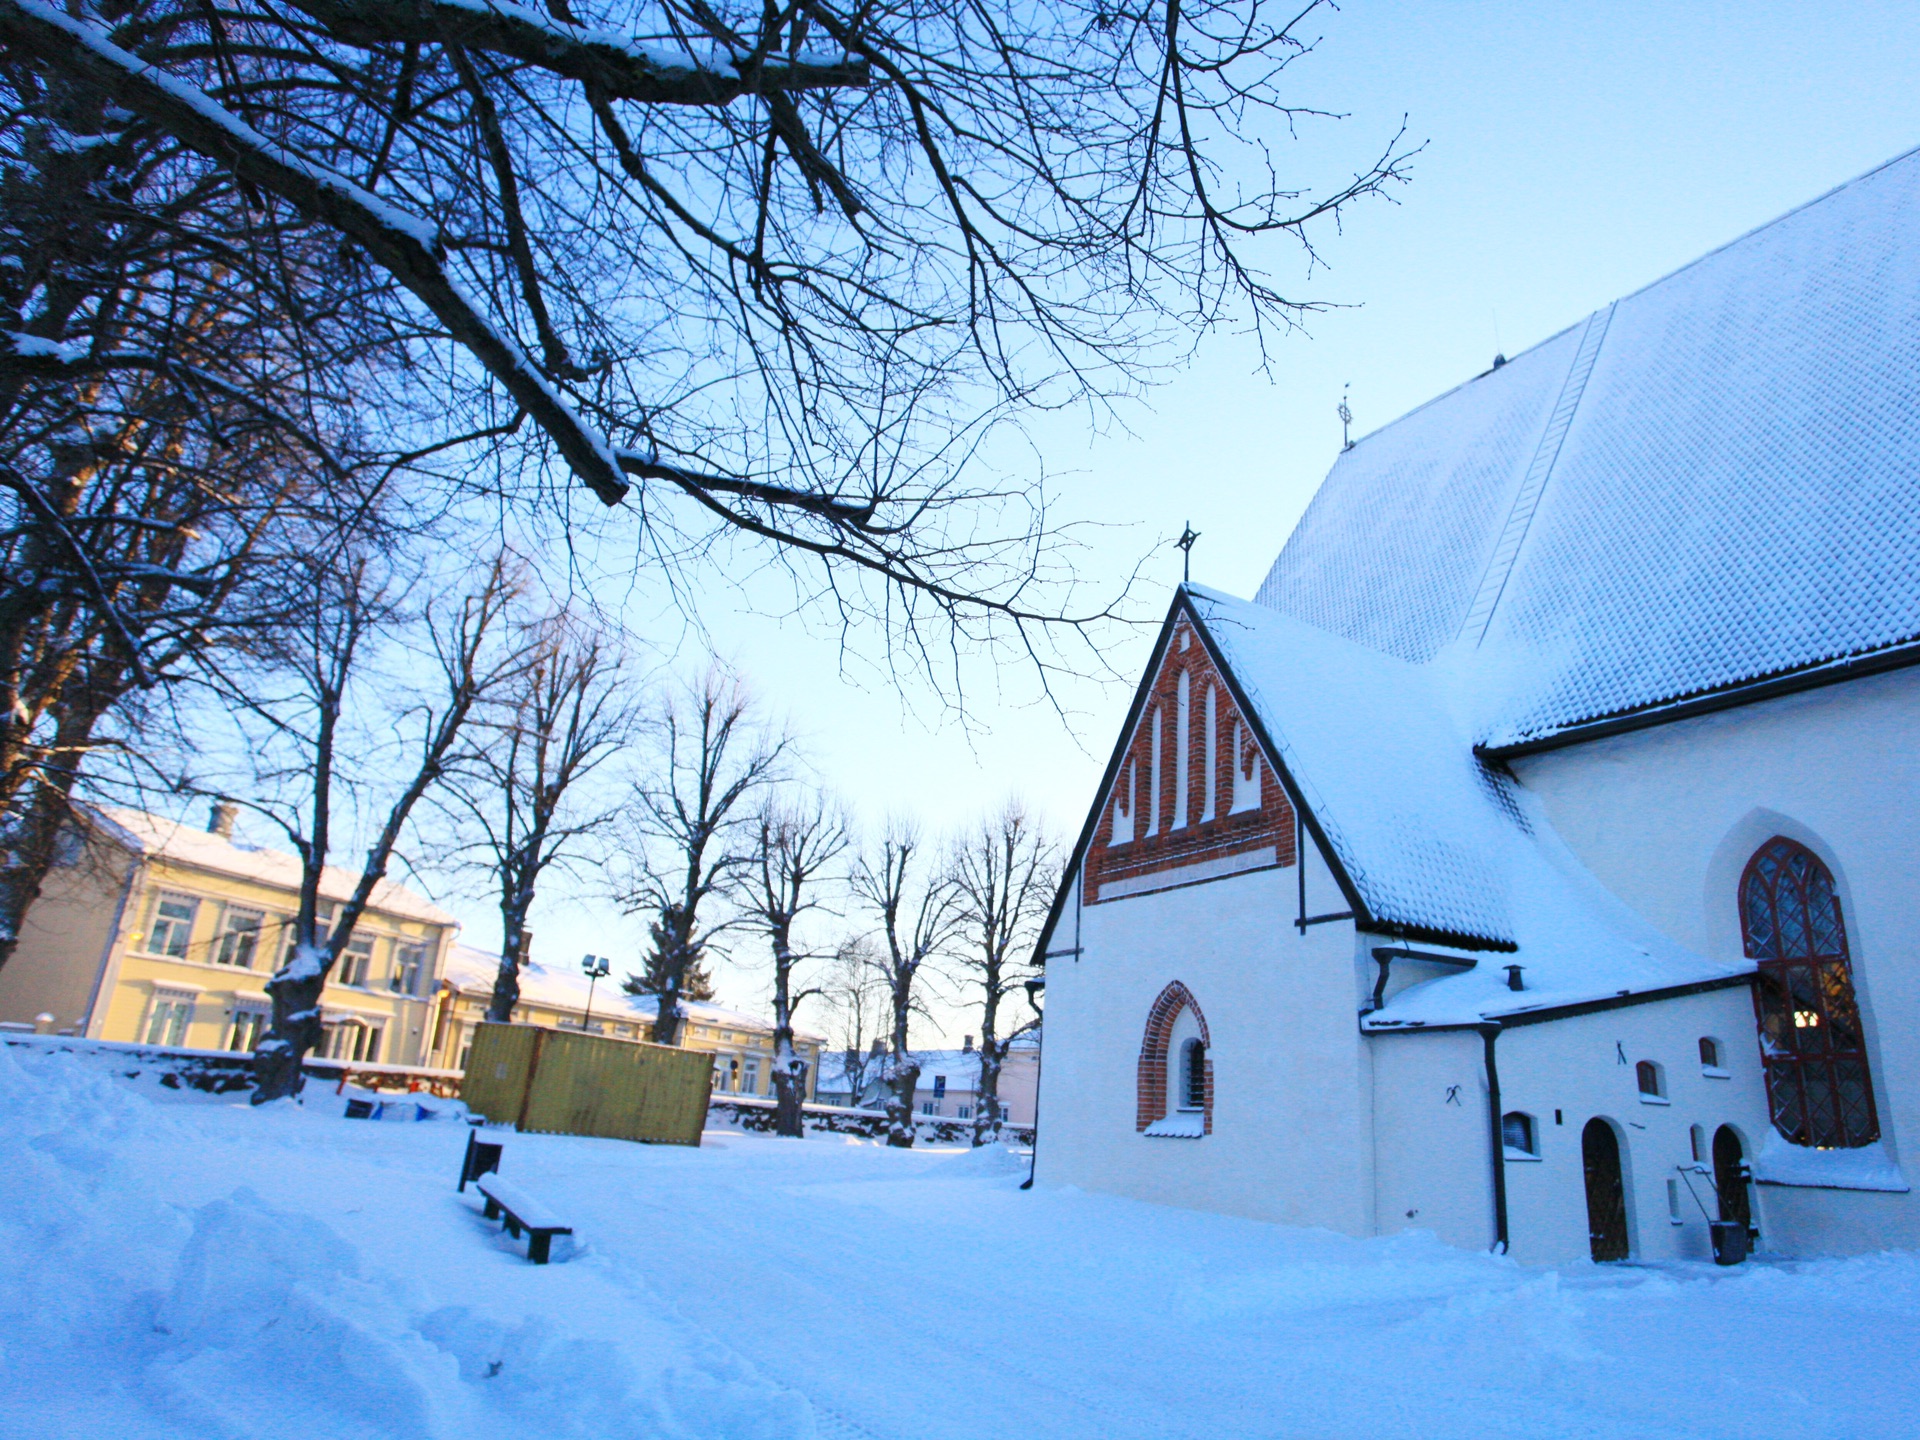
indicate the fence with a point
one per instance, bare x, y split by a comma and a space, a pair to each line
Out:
221, 1072
564, 1082
738, 1113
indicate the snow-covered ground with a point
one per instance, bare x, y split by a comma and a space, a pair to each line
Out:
180, 1266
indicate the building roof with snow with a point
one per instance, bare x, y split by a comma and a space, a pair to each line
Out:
155, 837
470, 970
1713, 481
1704, 492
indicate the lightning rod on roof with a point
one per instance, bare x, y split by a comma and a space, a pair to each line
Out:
1346, 418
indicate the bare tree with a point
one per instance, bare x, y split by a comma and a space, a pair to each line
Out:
346, 608
1003, 872
859, 1004
563, 714
916, 908
780, 264
695, 821
796, 842
170, 368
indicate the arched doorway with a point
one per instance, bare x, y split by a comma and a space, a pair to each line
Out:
1730, 1176
1606, 1191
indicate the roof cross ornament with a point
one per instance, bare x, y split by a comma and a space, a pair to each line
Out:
1346, 418
1187, 536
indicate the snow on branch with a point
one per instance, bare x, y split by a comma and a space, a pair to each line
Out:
405, 245
618, 66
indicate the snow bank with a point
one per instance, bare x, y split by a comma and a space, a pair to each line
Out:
123, 1314
174, 1267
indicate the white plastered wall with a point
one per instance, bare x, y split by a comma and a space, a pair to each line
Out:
1668, 817
1291, 1134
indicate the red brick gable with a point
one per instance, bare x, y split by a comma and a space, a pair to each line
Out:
1193, 798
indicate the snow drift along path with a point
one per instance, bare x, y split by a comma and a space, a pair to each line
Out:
186, 1267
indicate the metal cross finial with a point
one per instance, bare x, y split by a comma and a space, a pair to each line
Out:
1346, 419
1187, 536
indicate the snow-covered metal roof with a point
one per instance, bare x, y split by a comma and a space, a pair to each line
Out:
1432, 841
1713, 480
155, 836
471, 970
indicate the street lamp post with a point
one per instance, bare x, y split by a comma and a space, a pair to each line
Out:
595, 968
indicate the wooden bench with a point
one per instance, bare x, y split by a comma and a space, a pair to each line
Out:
482, 1157
522, 1212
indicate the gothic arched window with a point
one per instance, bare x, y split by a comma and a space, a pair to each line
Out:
1811, 1041
1175, 1078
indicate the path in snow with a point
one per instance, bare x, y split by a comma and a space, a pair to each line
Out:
174, 1267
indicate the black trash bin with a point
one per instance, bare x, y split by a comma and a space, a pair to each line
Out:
1729, 1242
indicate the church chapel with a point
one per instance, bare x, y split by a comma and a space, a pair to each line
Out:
1530, 860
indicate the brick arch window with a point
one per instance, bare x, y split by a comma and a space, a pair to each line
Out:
1175, 1074
1811, 1042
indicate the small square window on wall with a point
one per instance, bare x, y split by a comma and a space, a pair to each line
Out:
1713, 1059
171, 929
1519, 1136
168, 1017
245, 1027
1652, 1081
239, 937
409, 969
356, 960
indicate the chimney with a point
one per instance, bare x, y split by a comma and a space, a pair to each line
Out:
966, 1044
221, 821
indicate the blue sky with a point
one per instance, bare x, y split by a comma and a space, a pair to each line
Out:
1573, 154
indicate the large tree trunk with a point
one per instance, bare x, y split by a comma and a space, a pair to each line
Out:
513, 954
789, 1086
988, 1116
903, 1080
279, 1063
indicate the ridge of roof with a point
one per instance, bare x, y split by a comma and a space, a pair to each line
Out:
1744, 452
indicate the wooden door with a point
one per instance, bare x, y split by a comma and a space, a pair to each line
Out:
1730, 1177
1606, 1193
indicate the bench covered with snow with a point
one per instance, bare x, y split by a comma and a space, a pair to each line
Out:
522, 1212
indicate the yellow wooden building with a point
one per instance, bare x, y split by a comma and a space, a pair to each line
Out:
157, 932
741, 1045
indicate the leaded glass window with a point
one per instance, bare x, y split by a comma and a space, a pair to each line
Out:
1811, 1042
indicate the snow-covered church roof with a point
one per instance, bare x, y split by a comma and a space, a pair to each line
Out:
1711, 481
1431, 841
1708, 487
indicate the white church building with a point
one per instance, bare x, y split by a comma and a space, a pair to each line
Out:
1535, 860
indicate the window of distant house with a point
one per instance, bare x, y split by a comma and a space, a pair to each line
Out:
1652, 1081
1812, 1045
356, 960
750, 1076
966, 1112
239, 937
172, 928
409, 968
168, 1018
1710, 1055
927, 1108
1518, 1135
245, 1027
